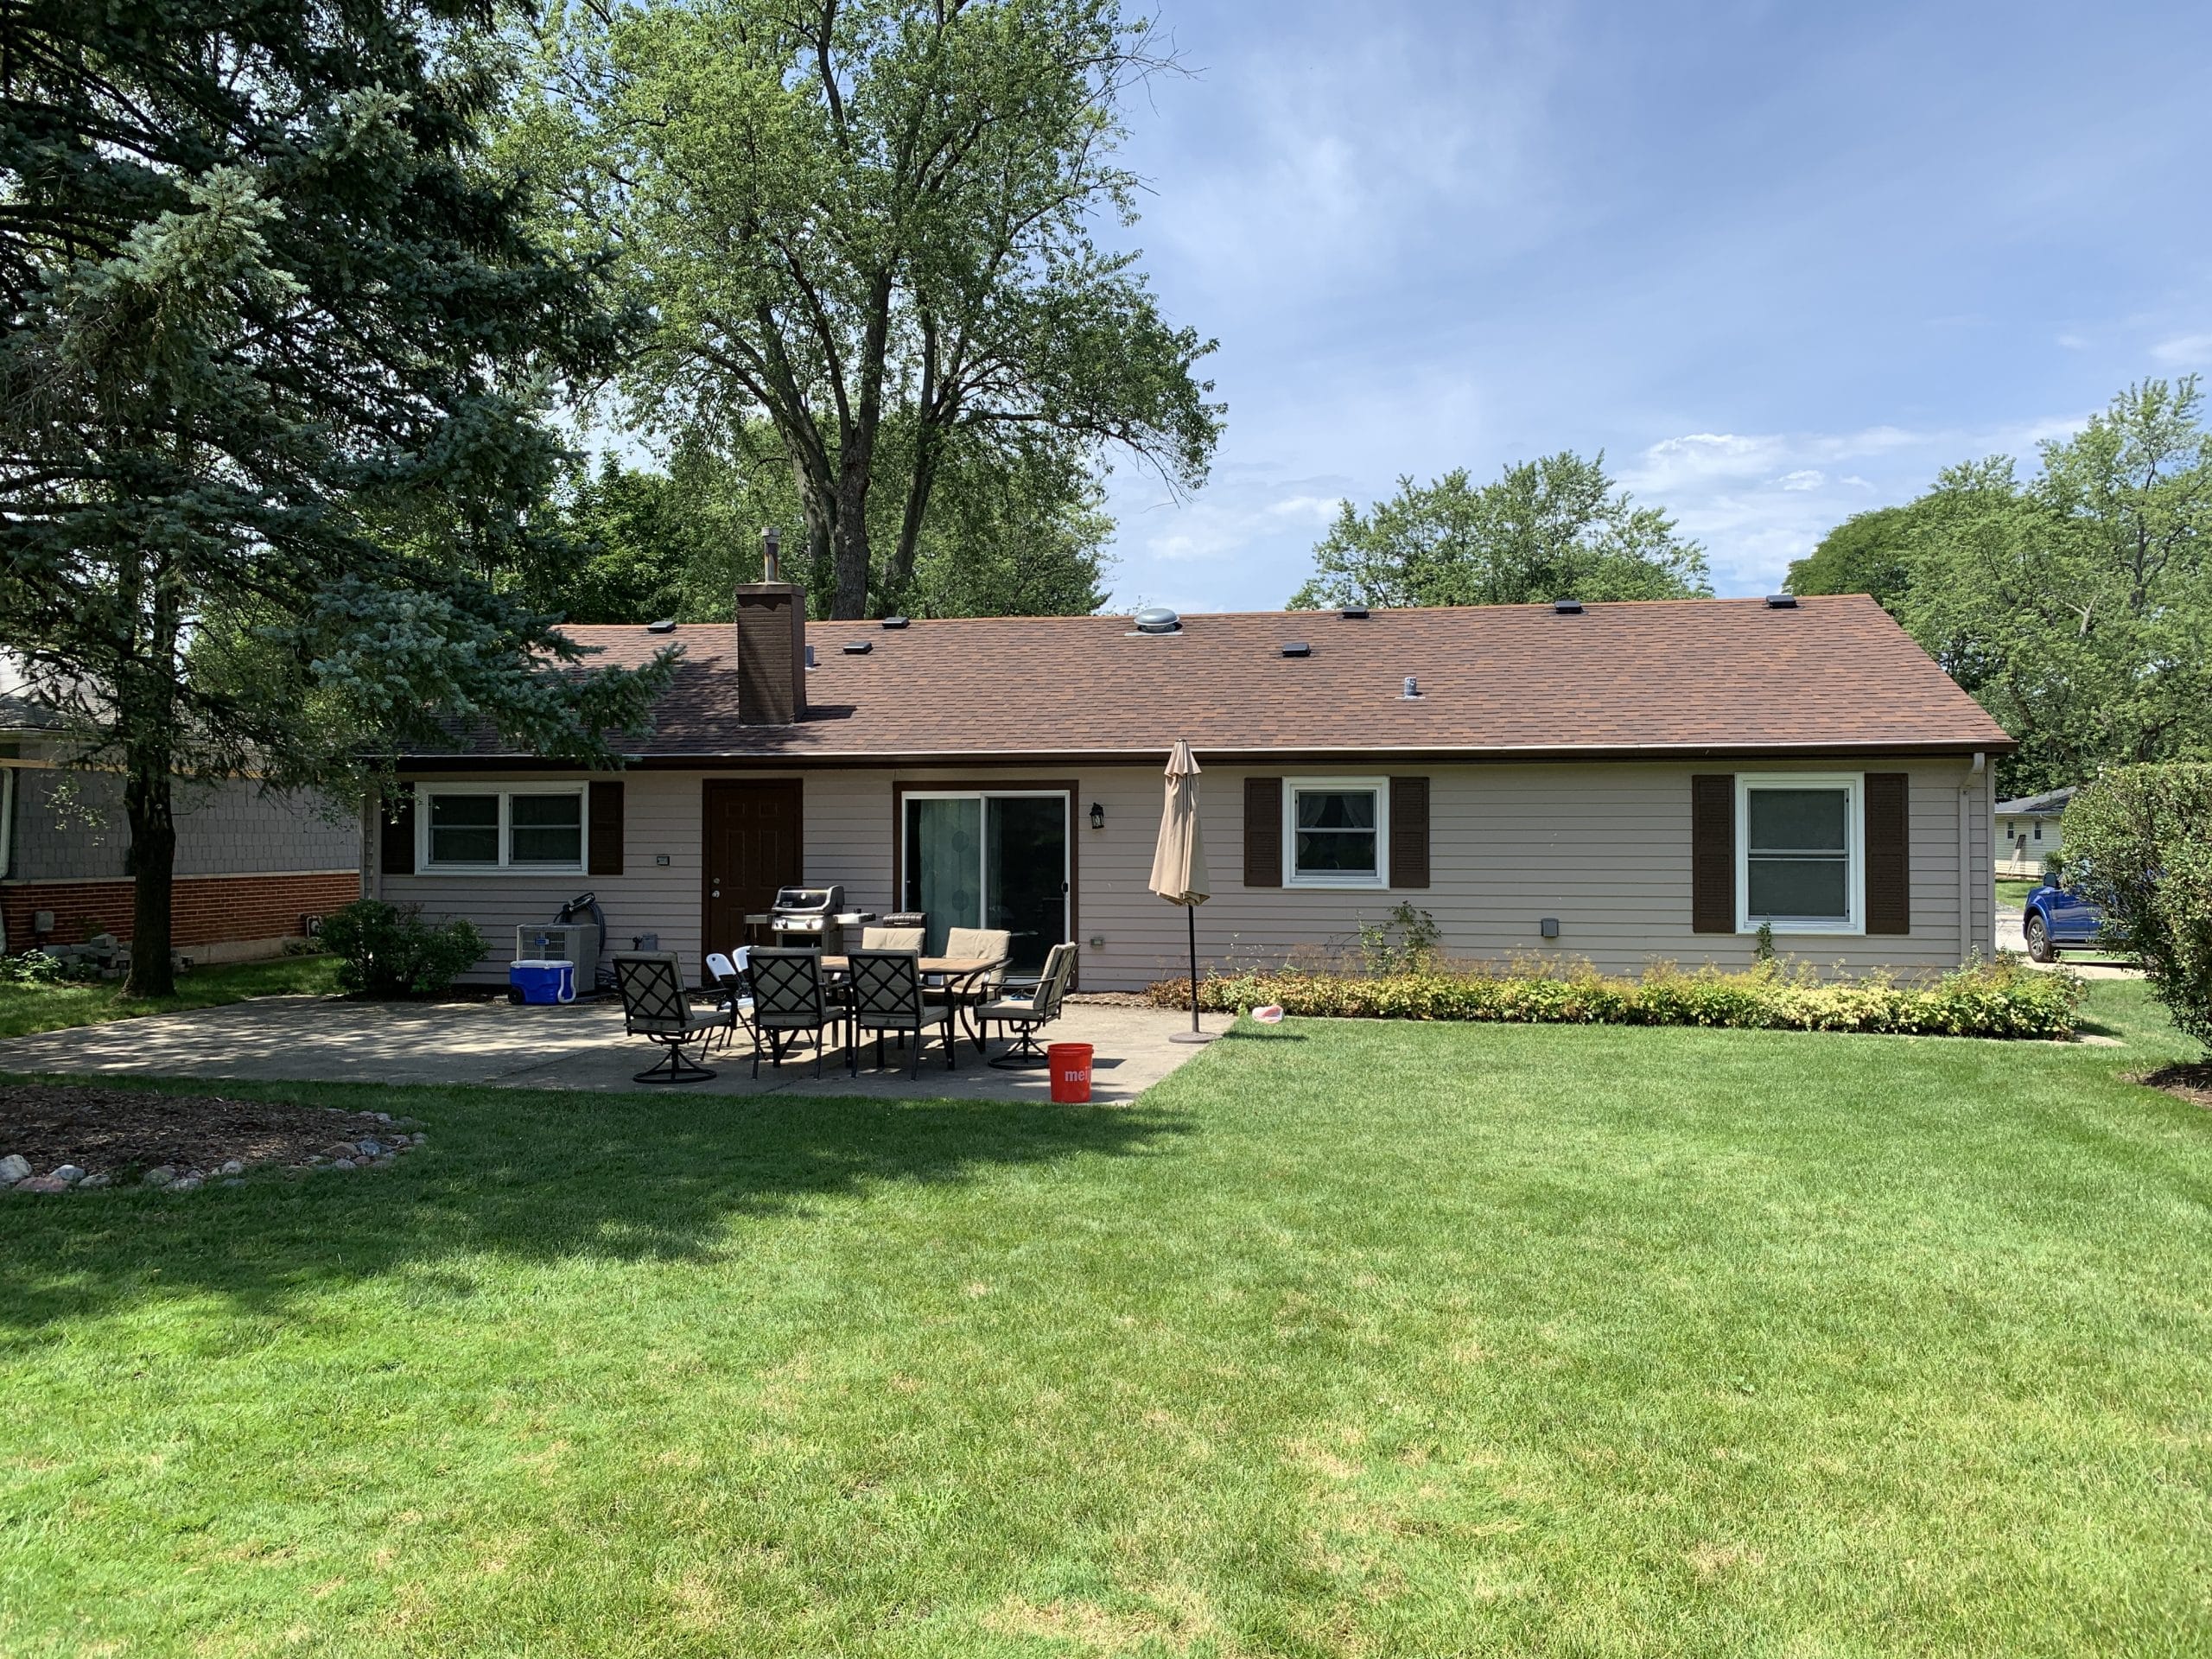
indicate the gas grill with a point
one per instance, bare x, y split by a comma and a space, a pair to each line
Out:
809, 918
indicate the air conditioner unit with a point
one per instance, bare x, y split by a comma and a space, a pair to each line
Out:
576, 942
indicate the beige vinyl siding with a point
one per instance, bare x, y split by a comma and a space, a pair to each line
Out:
661, 815
1604, 847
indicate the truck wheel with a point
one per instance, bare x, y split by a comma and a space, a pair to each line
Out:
2037, 934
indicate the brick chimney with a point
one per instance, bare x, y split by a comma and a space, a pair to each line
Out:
771, 646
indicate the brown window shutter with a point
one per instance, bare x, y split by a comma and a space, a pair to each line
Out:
1713, 852
606, 829
1409, 832
396, 854
1889, 854
1263, 832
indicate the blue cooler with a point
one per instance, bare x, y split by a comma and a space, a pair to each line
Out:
543, 981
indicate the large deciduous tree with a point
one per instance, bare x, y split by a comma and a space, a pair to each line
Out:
851, 219
1551, 529
1870, 552
274, 340
2077, 606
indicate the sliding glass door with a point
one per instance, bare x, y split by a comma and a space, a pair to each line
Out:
990, 859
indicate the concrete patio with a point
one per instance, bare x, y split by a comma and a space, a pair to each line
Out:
326, 1040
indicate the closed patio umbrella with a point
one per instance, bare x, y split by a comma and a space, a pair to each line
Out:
1178, 865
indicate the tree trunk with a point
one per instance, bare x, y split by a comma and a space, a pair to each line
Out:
153, 863
146, 696
928, 447
856, 460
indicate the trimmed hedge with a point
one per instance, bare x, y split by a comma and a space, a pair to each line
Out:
2004, 998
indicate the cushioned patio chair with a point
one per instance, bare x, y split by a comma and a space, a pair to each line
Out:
787, 999
656, 1006
991, 945
886, 987
1029, 1013
892, 938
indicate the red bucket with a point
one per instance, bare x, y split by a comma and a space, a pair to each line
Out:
1070, 1065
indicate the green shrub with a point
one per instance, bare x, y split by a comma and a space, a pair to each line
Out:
389, 950
33, 968
2004, 998
2138, 841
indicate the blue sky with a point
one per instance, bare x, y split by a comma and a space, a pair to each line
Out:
1780, 262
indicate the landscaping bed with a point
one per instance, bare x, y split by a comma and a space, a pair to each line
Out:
120, 1136
2004, 998
2189, 1083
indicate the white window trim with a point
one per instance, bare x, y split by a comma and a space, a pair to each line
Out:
506, 793
1855, 821
1337, 881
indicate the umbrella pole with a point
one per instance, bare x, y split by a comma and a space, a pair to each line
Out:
1193, 1035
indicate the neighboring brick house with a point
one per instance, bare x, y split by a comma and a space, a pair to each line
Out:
250, 864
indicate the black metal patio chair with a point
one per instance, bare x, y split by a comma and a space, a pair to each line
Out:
656, 1006
1029, 1014
887, 996
788, 998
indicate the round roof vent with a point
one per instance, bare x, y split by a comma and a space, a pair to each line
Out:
1158, 619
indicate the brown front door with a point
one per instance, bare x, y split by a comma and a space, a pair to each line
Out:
753, 847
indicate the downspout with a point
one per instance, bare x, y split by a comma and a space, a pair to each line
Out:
1968, 793
7, 841
372, 845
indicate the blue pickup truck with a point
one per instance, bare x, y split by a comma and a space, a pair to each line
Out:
2058, 920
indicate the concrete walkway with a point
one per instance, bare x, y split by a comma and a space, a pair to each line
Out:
324, 1040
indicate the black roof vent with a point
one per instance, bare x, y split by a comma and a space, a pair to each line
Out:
1297, 648
1354, 613
1158, 619
1567, 607
1782, 602
809, 656
894, 621
666, 625
859, 647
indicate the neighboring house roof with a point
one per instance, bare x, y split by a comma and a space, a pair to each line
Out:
20, 715
2048, 805
1679, 677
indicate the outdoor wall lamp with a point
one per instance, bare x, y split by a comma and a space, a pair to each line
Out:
1097, 815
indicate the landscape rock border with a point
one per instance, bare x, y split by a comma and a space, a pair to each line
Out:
89, 1138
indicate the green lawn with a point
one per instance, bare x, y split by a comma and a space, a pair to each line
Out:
26, 1009
1349, 1338
2015, 894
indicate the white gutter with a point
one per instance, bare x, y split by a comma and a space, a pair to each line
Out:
1966, 796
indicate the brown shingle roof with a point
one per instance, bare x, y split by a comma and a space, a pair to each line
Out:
1686, 675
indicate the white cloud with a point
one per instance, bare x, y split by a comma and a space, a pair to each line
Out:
1805, 477
2184, 351
1318, 508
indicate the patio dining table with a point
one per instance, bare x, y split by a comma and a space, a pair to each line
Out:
957, 976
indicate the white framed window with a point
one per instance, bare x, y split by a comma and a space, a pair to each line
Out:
1800, 865
1336, 832
515, 828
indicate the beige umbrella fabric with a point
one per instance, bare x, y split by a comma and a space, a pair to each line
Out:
1179, 864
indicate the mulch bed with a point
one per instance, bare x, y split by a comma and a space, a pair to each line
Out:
114, 1130
2192, 1083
